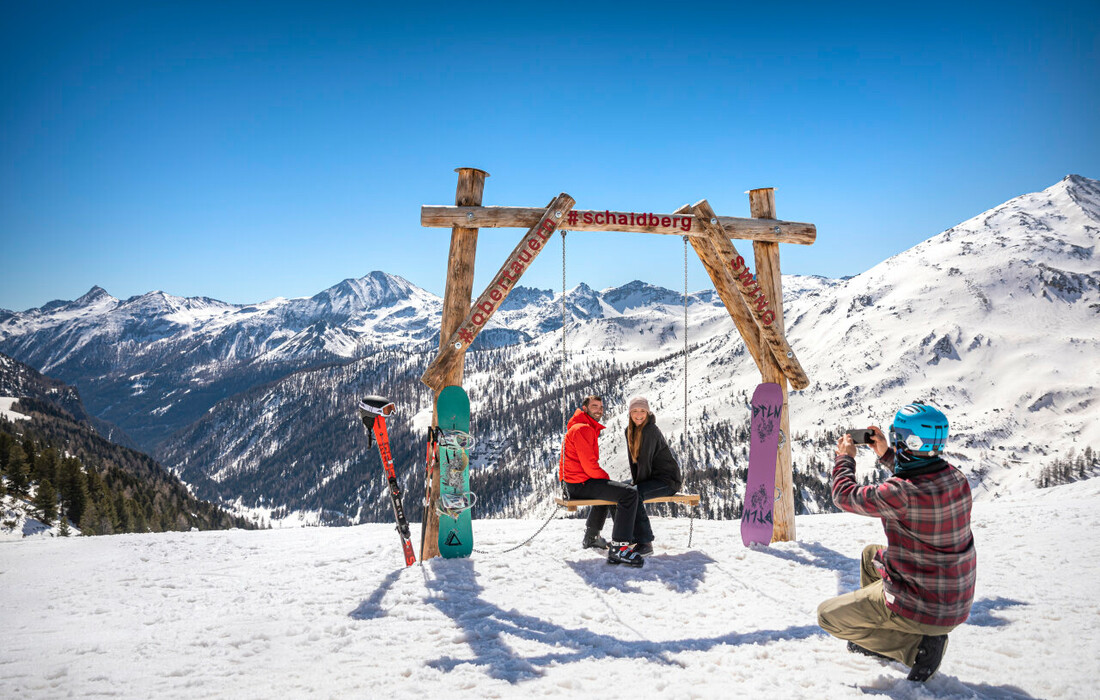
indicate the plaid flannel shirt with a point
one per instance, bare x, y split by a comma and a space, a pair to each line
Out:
929, 565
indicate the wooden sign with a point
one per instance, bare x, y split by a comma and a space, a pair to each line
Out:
754, 296
525, 252
678, 224
727, 291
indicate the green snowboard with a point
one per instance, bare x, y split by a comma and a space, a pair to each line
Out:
456, 531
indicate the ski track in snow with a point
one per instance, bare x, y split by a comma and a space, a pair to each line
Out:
332, 613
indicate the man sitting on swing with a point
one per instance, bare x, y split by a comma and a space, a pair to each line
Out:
580, 469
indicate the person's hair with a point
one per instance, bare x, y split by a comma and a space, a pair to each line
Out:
634, 435
593, 397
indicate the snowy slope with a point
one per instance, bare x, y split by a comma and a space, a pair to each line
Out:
325, 612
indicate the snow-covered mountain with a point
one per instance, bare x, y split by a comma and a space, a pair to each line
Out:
997, 320
174, 358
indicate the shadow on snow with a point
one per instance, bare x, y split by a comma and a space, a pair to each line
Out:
485, 627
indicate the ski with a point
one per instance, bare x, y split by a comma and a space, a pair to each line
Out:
432, 460
373, 411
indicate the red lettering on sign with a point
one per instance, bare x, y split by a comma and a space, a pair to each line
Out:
466, 336
495, 295
486, 307
588, 217
768, 318
525, 256
478, 319
666, 221
534, 244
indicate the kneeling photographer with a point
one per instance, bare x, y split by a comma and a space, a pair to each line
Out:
919, 587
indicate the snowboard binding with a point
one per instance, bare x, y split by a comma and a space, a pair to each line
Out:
452, 504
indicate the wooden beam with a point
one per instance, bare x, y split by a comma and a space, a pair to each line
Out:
727, 291
456, 304
759, 303
591, 220
690, 499
762, 204
525, 252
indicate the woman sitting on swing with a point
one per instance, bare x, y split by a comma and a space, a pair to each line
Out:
652, 466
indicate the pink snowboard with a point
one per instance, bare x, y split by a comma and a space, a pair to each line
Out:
756, 518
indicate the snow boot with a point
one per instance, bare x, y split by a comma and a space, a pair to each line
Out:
929, 654
623, 553
592, 540
643, 548
857, 649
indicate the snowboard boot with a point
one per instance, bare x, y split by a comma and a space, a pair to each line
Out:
592, 540
643, 548
929, 654
622, 553
857, 649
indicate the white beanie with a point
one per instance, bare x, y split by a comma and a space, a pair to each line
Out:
639, 402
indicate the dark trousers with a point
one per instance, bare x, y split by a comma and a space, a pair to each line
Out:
624, 495
653, 488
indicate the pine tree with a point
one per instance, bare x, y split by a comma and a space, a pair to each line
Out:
45, 500
18, 481
63, 523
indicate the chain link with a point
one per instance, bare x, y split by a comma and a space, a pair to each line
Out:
553, 515
691, 510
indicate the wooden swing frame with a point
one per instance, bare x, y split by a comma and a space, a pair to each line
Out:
754, 302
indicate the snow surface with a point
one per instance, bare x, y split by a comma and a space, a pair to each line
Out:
6, 410
324, 612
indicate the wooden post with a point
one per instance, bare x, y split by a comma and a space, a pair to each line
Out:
525, 252
757, 298
456, 304
727, 292
768, 276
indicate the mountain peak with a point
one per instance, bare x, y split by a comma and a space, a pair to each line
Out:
1084, 192
93, 295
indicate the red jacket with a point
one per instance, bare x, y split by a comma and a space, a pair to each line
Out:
580, 453
929, 564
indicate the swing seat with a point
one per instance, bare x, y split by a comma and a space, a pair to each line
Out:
690, 499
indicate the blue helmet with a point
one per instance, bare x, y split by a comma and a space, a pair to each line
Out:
919, 430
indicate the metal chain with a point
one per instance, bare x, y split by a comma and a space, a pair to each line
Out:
564, 355
564, 360
553, 515
691, 510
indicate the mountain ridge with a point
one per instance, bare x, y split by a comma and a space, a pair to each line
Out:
968, 318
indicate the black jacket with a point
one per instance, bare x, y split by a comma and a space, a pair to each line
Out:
655, 460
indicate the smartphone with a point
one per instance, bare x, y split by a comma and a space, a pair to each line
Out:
861, 436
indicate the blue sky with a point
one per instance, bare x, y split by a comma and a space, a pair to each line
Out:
250, 150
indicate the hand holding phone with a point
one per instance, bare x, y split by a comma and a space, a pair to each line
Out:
861, 436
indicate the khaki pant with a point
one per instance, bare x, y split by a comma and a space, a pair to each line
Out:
863, 618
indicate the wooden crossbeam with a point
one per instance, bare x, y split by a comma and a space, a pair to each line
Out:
723, 282
690, 499
754, 297
630, 222
530, 245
